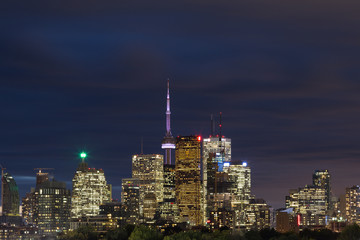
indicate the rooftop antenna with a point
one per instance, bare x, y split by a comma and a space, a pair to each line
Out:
220, 127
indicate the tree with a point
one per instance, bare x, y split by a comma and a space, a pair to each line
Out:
145, 233
117, 234
188, 235
253, 235
267, 233
351, 232
82, 233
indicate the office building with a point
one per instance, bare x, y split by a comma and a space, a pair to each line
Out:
149, 170
52, 207
28, 207
239, 175
310, 203
168, 208
258, 215
10, 196
130, 196
188, 179
90, 190
321, 178
352, 204
216, 152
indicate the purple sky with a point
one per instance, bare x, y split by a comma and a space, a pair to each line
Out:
92, 75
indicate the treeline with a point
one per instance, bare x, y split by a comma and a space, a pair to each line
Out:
140, 232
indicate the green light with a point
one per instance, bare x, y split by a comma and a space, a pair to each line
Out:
83, 155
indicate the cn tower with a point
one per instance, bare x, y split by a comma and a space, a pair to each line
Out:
168, 142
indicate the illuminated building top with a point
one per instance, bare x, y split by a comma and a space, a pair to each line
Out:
90, 190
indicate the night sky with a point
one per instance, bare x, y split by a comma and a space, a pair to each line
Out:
91, 75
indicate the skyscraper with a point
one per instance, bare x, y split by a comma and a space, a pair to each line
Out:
90, 190
188, 178
310, 203
352, 204
149, 169
168, 208
130, 196
216, 152
10, 196
239, 176
220, 147
321, 178
168, 142
52, 207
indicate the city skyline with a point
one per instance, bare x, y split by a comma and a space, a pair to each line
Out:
286, 80
83, 156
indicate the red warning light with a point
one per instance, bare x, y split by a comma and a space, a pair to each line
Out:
298, 219
208, 221
199, 138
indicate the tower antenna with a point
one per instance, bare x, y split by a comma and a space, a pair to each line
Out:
220, 127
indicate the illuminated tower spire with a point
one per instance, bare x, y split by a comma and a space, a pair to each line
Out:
168, 142
168, 131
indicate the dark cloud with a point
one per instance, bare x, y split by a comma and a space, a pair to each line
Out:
90, 75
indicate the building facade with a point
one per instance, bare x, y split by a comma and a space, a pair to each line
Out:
168, 208
52, 207
130, 196
310, 203
216, 151
321, 178
10, 196
239, 175
149, 170
258, 215
90, 190
188, 179
352, 204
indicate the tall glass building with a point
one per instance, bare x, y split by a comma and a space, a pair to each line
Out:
90, 190
149, 169
168, 208
130, 196
352, 204
321, 178
188, 178
10, 196
216, 152
52, 207
239, 175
